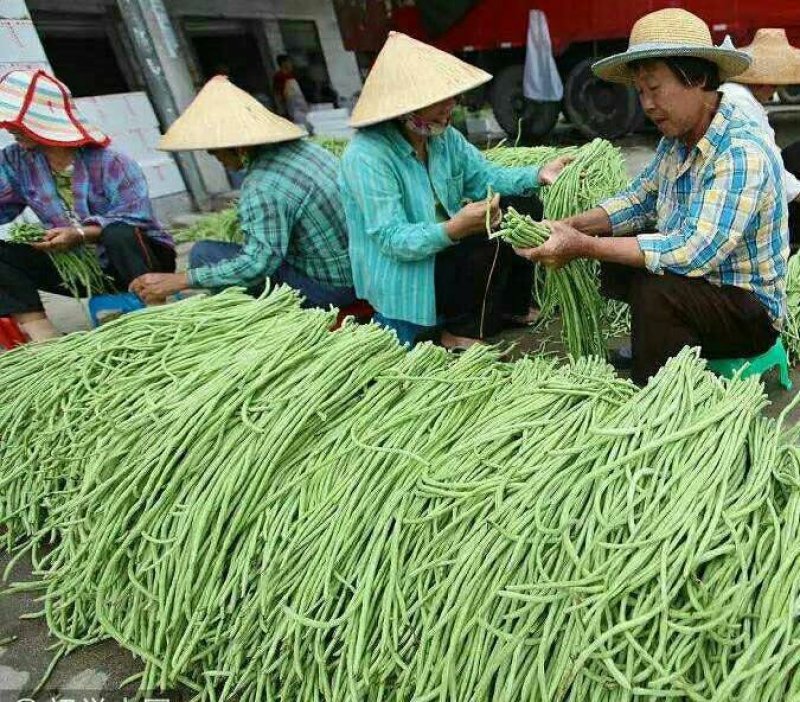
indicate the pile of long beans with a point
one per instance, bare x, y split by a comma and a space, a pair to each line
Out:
515, 156
260, 509
78, 268
216, 226
791, 328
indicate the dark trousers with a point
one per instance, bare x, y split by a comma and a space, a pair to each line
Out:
208, 253
791, 160
670, 311
24, 270
481, 282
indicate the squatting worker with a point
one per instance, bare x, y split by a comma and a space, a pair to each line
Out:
699, 240
775, 62
80, 190
290, 211
414, 194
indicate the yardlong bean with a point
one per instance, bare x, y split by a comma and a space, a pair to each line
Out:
78, 268
261, 509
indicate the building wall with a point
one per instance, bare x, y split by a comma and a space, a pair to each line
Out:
342, 67
128, 118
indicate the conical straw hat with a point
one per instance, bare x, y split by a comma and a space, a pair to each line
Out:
409, 75
41, 106
223, 116
775, 60
672, 32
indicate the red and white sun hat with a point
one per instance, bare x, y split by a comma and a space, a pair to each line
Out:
41, 106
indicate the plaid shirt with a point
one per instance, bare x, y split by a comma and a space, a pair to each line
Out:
719, 210
108, 187
289, 211
393, 204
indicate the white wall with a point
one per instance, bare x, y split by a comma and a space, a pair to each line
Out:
19, 43
342, 67
127, 118
19, 48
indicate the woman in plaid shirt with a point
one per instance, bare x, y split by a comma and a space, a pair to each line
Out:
81, 191
289, 210
698, 243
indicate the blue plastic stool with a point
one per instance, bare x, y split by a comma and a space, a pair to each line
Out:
776, 357
121, 303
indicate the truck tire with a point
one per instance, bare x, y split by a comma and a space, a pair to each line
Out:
598, 108
789, 94
510, 106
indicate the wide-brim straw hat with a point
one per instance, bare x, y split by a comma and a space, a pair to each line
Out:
671, 33
223, 116
775, 60
41, 106
409, 75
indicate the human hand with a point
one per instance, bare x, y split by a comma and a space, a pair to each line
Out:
564, 244
550, 171
154, 288
59, 239
471, 219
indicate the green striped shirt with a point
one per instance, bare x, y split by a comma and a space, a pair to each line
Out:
390, 202
289, 210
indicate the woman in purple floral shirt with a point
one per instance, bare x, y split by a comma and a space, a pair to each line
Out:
81, 191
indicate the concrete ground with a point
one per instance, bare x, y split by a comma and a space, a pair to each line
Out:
95, 673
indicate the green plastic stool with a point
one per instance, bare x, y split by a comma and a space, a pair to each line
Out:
774, 358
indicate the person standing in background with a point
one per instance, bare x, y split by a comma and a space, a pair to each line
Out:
775, 62
289, 98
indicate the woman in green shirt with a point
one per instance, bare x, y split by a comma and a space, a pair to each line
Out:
414, 193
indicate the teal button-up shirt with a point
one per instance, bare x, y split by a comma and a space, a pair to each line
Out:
389, 199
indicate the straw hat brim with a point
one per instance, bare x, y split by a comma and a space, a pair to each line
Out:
409, 75
223, 116
170, 143
414, 106
616, 69
772, 65
41, 106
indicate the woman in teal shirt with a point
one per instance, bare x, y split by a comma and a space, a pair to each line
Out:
414, 193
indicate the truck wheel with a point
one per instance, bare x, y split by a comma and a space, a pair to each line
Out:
598, 108
510, 106
789, 94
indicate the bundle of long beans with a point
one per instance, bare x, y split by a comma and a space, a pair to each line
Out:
597, 172
78, 268
260, 509
573, 288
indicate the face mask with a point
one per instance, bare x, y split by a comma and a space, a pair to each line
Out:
423, 127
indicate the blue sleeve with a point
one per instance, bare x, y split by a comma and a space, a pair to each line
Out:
634, 209
267, 222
